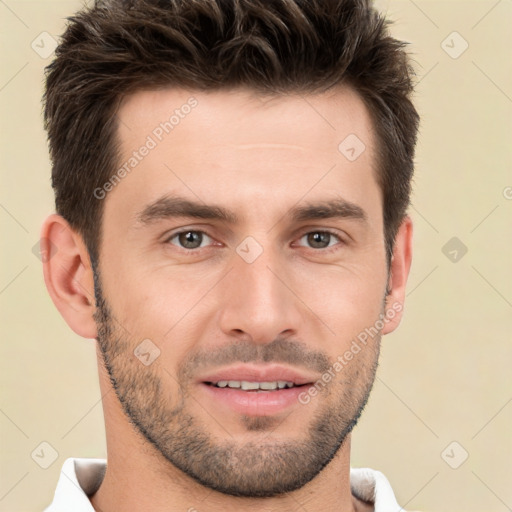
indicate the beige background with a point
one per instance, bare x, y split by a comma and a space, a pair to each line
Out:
445, 374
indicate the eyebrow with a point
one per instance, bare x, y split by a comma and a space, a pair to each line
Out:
167, 207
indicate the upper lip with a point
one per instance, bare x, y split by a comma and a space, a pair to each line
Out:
258, 373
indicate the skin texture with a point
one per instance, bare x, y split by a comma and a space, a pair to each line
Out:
170, 446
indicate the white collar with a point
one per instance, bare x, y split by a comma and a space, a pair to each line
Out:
80, 478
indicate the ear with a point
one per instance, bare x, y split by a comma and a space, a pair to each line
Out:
398, 274
68, 275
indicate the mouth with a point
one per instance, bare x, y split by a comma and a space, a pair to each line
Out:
255, 390
259, 387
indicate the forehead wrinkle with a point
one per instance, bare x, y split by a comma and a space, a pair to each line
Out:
266, 145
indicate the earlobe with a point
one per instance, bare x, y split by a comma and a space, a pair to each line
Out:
399, 272
68, 275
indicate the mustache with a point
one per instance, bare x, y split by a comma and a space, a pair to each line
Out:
281, 350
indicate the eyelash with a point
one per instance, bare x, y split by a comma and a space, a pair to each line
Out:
327, 249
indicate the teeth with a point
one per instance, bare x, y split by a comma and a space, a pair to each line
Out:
249, 386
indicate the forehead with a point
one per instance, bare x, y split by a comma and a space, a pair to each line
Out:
238, 115
240, 146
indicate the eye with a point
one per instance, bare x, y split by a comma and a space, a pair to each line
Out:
189, 239
321, 239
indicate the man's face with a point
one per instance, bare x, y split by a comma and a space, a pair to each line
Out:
273, 291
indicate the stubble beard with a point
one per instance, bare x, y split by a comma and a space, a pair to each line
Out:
268, 466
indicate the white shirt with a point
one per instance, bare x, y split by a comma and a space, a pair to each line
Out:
80, 478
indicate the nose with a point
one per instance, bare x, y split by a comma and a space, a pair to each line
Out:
258, 300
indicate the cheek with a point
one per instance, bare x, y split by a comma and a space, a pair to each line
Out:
160, 313
347, 298
141, 295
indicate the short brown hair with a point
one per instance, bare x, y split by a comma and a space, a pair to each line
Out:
117, 47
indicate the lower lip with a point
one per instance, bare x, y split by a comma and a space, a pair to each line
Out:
256, 403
